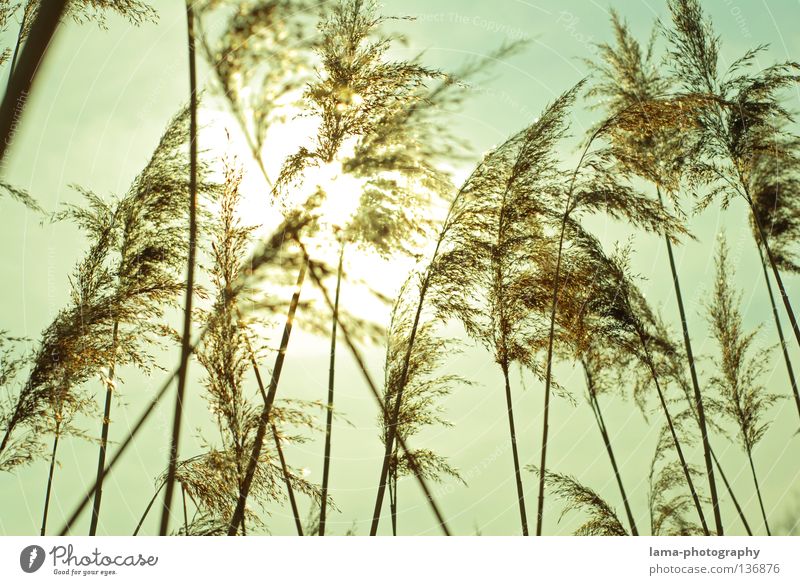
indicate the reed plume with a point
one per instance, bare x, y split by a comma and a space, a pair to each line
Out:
74, 347
602, 521
745, 400
646, 143
421, 137
593, 186
742, 118
423, 388
639, 329
590, 332
271, 253
492, 247
775, 187
227, 354
362, 101
669, 503
150, 254
261, 62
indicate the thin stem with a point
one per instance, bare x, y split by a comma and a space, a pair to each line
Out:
393, 501
284, 467
676, 442
287, 479
784, 296
187, 311
50, 479
514, 453
595, 404
779, 327
758, 491
423, 291
185, 515
326, 466
551, 335
698, 397
238, 514
549, 371
731, 494
147, 509
101, 459
377, 396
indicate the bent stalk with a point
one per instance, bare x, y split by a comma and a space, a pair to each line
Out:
779, 327
601, 425
238, 514
676, 442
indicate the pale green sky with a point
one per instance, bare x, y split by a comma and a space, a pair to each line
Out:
97, 112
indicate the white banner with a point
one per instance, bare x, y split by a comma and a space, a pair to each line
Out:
407, 561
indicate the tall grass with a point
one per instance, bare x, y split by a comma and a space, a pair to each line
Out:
492, 250
650, 148
270, 253
592, 186
513, 263
149, 254
365, 103
72, 348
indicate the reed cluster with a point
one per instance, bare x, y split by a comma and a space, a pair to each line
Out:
507, 260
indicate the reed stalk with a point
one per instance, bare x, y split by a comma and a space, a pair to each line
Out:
326, 466
186, 351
